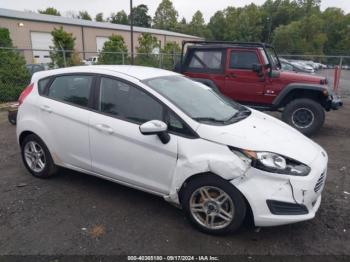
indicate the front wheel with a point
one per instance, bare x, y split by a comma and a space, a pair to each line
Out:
213, 205
305, 115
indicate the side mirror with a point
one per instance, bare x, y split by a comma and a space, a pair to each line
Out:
257, 68
156, 127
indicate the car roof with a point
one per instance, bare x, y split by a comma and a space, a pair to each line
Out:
138, 72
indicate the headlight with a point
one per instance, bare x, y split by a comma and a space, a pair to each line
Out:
273, 163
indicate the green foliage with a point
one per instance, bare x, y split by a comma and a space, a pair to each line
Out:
117, 45
198, 27
99, 17
217, 25
119, 18
165, 16
141, 17
171, 54
145, 50
63, 40
14, 76
84, 15
50, 11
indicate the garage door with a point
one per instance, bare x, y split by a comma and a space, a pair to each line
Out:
41, 40
100, 40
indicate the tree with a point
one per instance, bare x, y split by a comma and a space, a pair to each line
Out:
99, 17
50, 11
84, 15
165, 16
14, 75
198, 27
146, 54
243, 24
171, 53
182, 26
114, 51
217, 25
119, 18
141, 17
62, 52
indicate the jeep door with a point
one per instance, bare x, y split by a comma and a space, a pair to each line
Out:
241, 82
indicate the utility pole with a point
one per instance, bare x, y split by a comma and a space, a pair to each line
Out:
132, 33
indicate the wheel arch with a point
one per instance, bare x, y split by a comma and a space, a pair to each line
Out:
249, 216
295, 91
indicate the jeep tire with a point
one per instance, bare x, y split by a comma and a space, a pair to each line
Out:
305, 115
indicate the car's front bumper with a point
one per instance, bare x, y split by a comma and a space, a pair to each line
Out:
260, 187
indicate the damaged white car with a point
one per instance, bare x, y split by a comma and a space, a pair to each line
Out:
163, 133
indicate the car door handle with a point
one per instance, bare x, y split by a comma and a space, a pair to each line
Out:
105, 128
46, 108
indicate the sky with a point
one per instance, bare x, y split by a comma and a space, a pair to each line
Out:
186, 8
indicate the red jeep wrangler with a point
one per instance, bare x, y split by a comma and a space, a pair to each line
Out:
250, 73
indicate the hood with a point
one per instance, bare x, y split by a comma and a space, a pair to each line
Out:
261, 132
302, 77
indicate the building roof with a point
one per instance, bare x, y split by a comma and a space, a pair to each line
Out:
32, 16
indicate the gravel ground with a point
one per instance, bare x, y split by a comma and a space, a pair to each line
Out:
78, 214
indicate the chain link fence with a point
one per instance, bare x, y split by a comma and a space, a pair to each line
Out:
19, 64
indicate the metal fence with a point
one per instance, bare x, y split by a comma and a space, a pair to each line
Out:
13, 79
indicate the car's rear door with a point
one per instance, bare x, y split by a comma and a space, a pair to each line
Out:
118, 148
241, 82
64, 108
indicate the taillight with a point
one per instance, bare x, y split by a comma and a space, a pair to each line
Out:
25, 93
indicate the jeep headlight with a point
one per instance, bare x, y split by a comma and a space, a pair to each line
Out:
273, 163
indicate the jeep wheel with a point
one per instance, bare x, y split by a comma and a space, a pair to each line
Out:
305, 115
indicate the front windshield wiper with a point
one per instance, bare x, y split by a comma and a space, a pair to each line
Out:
208, 119
241, 114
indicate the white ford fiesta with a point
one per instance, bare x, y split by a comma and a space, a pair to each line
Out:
162, 133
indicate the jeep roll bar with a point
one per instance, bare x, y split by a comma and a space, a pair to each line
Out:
229, 43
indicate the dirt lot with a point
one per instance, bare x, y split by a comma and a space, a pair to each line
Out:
77, 214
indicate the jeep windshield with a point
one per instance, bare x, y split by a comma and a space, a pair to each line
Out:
197, 100
275, 63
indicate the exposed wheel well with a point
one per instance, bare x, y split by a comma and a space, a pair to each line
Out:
249, 217
23, 135
317, 96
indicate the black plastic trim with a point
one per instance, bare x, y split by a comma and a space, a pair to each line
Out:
286, 208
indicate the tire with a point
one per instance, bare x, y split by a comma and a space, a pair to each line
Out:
305, 115
32, 149
218, 189
12, 118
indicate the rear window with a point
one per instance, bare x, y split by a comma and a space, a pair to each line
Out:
42, 84
206, 59
74, 89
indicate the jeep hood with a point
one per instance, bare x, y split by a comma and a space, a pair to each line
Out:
261, 132
301, 77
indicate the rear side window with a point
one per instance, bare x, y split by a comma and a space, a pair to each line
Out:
206, 59
74, 89
42, 84
243, 59
128, 102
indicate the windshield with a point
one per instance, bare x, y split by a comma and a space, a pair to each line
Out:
197, 100
273, 57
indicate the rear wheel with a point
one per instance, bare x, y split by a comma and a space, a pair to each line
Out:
305, 115
37, 158
213, 205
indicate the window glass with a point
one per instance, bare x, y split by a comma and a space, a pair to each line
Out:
206, 59
287, 67
243, 59
195, 99
42, 84
73, 89
128, 102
